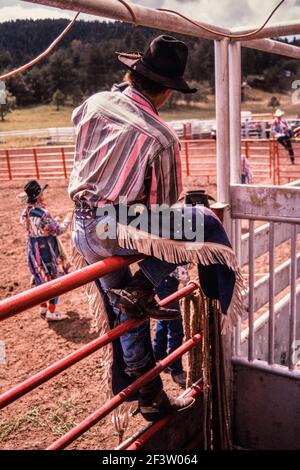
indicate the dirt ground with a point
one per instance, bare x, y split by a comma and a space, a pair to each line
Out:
31, 344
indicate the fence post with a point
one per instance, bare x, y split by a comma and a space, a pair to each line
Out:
8, 164
277, 165
247, 149
36, 163
222, 124
186, 148
271, 170
64, 162
187, 158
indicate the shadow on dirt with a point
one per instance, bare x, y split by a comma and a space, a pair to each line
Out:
74, 329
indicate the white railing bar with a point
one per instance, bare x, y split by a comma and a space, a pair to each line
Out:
222, 126
261, 321
292, 332
163, 20
275, 369
271, 331
236, 247
144, 16
261, 240
288, 28
293, 183
251, 292
282, 280
274, 47
286, 220
237, 230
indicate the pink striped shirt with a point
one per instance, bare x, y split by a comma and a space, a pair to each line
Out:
124, 152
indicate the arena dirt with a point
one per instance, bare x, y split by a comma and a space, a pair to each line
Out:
31, 344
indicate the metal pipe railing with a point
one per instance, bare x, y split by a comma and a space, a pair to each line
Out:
271, 328
251, 291
51, 289
105, 409
144, 437
54, 369
144, 16
274, 47
293, 300
288, 28
171, 22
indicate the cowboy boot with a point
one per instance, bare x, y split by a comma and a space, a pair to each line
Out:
138, 300
154, 403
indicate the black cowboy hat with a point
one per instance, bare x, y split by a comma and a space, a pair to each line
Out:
163, 61
33, 190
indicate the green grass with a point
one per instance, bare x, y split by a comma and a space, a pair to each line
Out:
37, 117
56, 421
46, 115
30, 418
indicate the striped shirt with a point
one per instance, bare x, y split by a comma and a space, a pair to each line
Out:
124, 152
280, 126
40, 223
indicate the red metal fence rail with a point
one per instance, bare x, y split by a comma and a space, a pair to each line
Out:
145, 435
269, 160
20, 302
46, 374
118, 399
32, 297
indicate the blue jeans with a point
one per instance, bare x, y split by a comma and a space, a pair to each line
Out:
136, 344
169, 334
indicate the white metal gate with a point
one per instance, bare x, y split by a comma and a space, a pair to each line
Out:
266, 380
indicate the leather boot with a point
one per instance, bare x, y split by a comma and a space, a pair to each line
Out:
138, 300
154, 407
154, 403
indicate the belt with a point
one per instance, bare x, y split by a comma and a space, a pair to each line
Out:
85, 212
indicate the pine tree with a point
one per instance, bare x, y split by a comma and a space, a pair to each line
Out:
58, 99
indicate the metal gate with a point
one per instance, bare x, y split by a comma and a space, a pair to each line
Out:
266, 378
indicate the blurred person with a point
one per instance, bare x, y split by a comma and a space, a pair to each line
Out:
246, 171
45, 255
169, 334
282, 132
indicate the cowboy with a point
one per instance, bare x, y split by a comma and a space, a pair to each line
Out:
127, 156
283, 133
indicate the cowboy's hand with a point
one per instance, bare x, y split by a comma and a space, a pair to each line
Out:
68, 217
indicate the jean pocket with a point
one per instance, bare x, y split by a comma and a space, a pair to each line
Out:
100, 238
90, 224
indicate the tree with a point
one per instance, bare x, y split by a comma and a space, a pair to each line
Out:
58, 99
20, 88
77, 96
274, 103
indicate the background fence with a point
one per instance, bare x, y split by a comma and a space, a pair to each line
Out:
269, 160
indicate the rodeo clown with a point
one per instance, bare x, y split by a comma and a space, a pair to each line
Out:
45, 254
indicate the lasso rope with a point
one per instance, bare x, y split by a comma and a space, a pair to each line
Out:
225, 35
206, 361
193, 307
43, 54
199, 25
